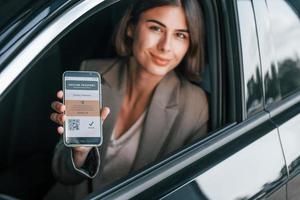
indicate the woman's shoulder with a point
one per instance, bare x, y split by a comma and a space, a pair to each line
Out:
99, 65
192, 92
193, 100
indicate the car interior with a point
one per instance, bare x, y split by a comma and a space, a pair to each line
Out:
28, 136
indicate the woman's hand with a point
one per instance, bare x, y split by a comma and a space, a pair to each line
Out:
79, 153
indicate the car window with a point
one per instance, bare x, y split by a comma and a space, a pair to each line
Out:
285, 30
30, 138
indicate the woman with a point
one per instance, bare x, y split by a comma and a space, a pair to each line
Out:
154, 108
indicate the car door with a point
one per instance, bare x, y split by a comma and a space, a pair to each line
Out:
241, 157
279, 31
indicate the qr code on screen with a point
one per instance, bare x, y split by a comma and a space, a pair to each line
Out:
74, 124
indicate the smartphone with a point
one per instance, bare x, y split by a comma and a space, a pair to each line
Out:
82, 98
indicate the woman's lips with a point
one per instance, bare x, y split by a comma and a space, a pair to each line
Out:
159, 60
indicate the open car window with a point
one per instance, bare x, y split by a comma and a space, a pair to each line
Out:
29, 139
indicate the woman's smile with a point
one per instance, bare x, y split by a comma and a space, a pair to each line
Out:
160, 61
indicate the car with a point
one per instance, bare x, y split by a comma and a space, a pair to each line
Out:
252, 80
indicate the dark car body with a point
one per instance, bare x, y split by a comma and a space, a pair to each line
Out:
252, 79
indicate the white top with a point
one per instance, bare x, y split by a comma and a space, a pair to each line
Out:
121, 153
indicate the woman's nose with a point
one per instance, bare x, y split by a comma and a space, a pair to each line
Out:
165, 43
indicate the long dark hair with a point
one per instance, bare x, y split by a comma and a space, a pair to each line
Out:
193, 62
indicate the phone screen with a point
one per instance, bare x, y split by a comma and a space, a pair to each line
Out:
82, 94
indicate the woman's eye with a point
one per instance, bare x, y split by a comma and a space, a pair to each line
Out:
181, 35
156, 28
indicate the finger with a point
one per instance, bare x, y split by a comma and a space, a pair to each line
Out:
60, 130
53, 117
60, 94
58, 118
58, 107
104, 113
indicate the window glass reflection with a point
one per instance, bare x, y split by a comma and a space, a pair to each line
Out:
251, 65
267, 52
285, 28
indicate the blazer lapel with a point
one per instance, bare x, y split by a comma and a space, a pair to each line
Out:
162, 112
113, 87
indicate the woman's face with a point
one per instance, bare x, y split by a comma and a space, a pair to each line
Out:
160, 39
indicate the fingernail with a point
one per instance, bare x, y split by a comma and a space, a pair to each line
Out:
62, 108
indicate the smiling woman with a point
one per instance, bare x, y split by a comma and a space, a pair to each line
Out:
148, 92
159, 42
187, 29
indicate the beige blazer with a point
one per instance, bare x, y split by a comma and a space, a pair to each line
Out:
177, 114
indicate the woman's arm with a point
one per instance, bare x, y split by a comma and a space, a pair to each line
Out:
66, 171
